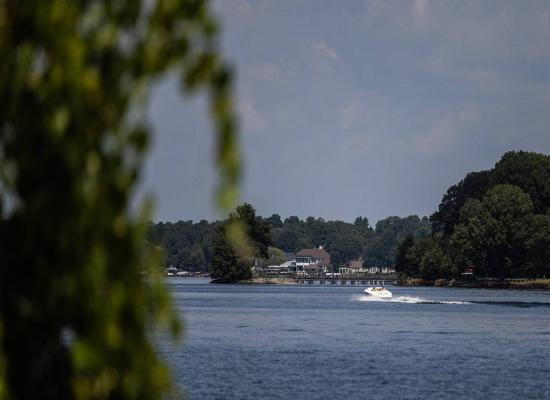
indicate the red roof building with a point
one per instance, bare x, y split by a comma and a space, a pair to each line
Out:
313, 256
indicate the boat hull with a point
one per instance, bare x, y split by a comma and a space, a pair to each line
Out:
378, 292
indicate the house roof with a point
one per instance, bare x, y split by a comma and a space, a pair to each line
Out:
316, 253
356, 264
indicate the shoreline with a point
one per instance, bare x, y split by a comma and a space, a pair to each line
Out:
539, 284
535, 284
269, 281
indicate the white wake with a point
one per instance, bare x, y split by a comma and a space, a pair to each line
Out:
404, 299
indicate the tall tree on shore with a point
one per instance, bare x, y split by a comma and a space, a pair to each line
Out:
526, 170
257, 230
415, 256
228, 263
473, 186
539, 247
402, 264
434, 264
493, 233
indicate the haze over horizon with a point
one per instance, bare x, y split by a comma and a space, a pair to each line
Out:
359, 108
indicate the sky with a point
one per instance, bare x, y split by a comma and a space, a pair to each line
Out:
358, 108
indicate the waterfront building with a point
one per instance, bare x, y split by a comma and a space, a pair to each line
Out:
315, 259
283, 269
353, 267
380, 270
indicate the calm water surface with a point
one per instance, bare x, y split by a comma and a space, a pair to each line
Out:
323, 342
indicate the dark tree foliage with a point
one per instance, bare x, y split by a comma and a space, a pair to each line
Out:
344, 241
526, 170
494, 233
186, 245
230, 265
473, 186
389, 232
422, 259
292, 220
497, 221
256, 229
362, 223
227, 267
275, 221
402, 264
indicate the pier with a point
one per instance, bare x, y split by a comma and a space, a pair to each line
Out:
341, 279
346, 281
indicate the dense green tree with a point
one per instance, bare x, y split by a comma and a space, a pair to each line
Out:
227, 266
434, 264
292, 220
258, 231
493, 233
473, 186
286, 239
528, 171
362, 223
415, 254
343, 248
496, 219
389, 232
186, 244
230, 265
276, 256
402, 265
538, 247
275, 221
343, 240
196, 258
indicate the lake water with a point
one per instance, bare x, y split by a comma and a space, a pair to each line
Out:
323, 342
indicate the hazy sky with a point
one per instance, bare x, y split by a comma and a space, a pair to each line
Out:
352, 108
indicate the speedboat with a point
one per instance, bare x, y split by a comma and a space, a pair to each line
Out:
378, 291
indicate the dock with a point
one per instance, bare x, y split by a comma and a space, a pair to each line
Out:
346, 281
343, 280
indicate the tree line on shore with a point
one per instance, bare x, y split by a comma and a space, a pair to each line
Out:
496, 222
192, 245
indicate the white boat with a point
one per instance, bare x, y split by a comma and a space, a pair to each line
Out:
378, 291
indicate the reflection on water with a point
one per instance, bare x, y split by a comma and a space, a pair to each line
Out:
297, 342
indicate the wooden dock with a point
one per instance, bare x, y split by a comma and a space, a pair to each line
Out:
348, 280
345, 281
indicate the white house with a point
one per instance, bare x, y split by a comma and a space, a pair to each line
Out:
353, 267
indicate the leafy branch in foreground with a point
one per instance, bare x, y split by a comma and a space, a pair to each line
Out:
74, 82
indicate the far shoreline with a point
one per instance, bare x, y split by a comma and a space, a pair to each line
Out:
537, 284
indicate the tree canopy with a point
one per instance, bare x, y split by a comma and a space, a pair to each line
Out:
344, 241
495, 221
526, 170
230, 265
494, 232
